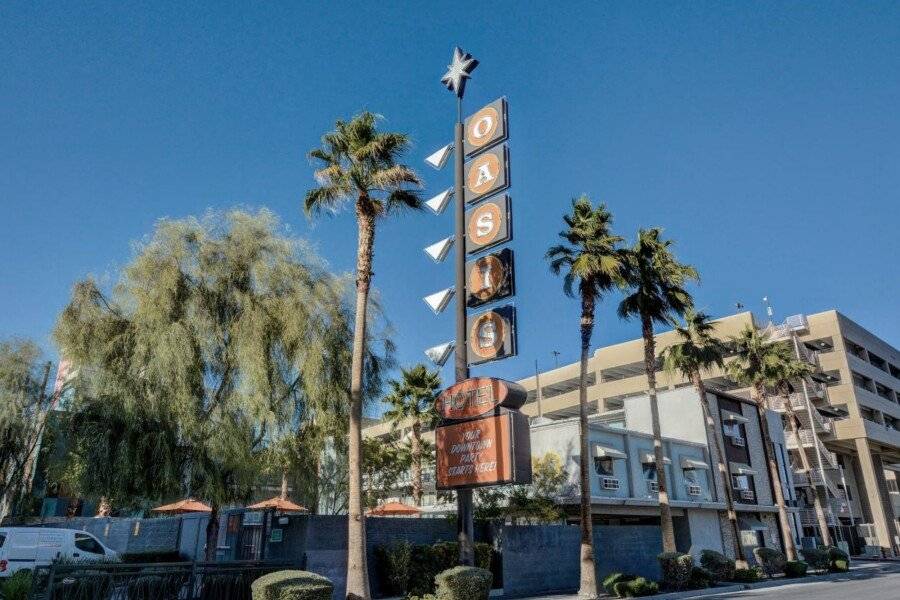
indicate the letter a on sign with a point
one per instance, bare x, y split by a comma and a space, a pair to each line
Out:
487, 127
487, 174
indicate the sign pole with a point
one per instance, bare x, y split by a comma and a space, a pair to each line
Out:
464, 511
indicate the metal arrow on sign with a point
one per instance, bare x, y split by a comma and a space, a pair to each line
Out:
440, 353
438, 203
438, 251
439, 158
438, 301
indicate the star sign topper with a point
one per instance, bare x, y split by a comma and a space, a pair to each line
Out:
459, 69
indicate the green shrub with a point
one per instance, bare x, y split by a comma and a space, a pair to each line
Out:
392, 567
676, 569
771, 561
613, 578
838, 560
700, 579
750, 575
464, 583
292, 585
719, 566
17, 586
816, 558
635, 588
795, 568
426, 562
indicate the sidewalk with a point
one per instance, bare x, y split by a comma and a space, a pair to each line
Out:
857, 569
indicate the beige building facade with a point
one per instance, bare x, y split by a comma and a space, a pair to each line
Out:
849, 413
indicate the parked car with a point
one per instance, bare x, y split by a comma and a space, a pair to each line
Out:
31, 547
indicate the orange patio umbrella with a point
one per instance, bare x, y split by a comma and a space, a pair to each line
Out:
279, 504
395, 509
188, 505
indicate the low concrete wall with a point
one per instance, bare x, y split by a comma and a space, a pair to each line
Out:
130, 536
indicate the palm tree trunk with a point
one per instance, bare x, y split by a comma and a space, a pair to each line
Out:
417, 463
104, 508
284, 485
719, 459
588, 586
212, 532
665, 511
790, 549
357, 571
811, 486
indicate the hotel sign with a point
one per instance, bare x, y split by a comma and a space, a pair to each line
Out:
492, 335
486, 127
477, 396
488, 224
487, 173
492, 450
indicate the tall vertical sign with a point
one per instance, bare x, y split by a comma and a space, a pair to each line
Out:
491, 446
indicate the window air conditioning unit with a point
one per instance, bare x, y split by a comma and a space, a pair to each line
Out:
609, 483
694, 490
738, 441
652, 487
746, 494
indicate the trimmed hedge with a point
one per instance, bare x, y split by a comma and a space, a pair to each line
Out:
292, 585
464, 583
817, 558
771, 561
700, 579
676, 569
636, 588
719, 566
838, 560
795, 568
750, 575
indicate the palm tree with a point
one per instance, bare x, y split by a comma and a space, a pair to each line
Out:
787, 368
592, 260
411, 400
698, 351
655, 280
754, 366
359, 163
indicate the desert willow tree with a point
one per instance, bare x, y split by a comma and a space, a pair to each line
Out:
24, 404
754, 365
786, 369
217, 329
358, 163
654, 281
411, 404
591, 263
699, 350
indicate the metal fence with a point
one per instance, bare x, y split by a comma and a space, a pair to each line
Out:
152, 581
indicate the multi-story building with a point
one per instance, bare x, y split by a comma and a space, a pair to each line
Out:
849, 412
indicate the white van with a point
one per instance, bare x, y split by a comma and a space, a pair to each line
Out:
30, 547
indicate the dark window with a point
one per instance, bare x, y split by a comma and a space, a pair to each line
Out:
603, 466
2, 539
86, 543
649, 471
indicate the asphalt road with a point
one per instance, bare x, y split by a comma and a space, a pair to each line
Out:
876, 581
866, 581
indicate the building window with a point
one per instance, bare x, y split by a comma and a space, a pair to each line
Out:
649, 471
604, 466
892, 486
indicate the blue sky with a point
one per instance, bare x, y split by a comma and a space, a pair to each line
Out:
762, 136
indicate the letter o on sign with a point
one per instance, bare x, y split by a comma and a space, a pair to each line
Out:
482, 127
